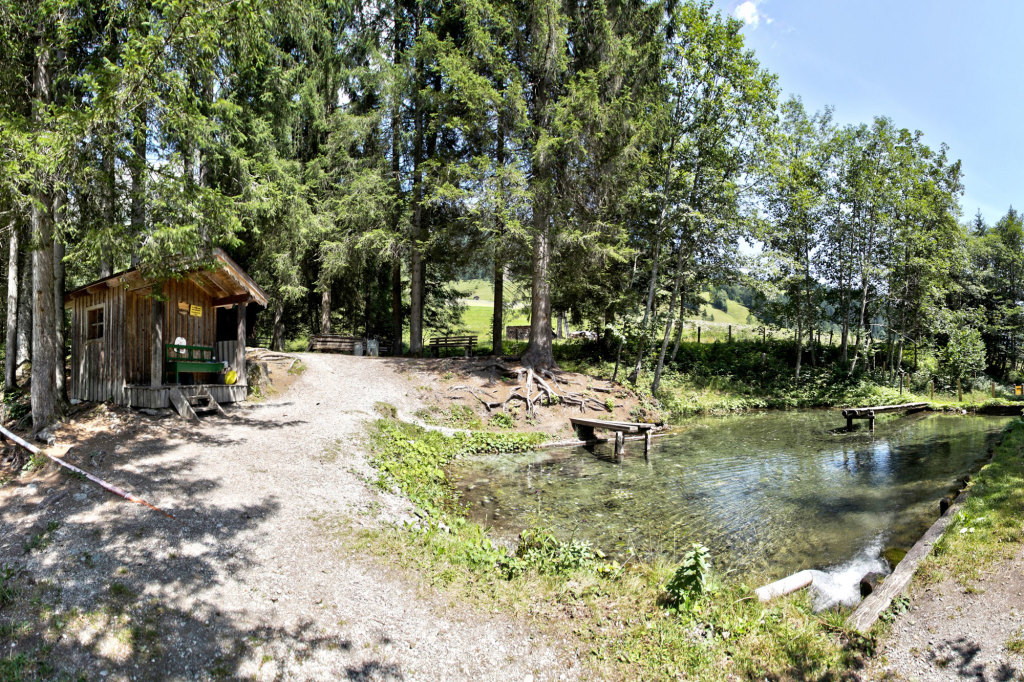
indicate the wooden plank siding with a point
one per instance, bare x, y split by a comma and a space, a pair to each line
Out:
100, 368
97, 365
197, 331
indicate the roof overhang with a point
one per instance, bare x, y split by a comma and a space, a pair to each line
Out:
226, 283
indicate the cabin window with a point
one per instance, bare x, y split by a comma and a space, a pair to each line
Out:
94, 324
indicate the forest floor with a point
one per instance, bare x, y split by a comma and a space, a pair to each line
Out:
244, 581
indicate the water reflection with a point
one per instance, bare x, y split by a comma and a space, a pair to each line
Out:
770, 493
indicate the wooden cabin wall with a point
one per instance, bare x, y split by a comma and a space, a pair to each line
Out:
140, 333
197, 331
97, 366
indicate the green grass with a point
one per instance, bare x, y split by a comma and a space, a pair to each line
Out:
988, 528
736, 313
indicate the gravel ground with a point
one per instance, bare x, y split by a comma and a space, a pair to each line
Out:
244, 582
952, 634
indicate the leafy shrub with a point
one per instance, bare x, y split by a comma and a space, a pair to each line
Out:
502, 420
541, 551
690, 579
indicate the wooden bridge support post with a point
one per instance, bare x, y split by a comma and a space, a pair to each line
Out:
871, 422
849, 423
647, 445
620, 445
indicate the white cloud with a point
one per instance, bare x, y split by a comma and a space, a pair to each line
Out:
749, 14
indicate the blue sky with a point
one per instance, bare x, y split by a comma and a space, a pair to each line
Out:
952, 69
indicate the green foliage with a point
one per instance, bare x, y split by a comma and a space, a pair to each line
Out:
539, 550
7, 589
16, 405
502, 420
690, 579
412, 459
963, 355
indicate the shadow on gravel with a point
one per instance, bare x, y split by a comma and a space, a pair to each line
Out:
91, 585
964, 660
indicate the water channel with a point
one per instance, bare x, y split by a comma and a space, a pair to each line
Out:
769, 493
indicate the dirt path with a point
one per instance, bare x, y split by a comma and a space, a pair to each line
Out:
949, 633
244, 582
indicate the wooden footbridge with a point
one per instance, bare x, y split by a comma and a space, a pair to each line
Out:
585, 429
851, 413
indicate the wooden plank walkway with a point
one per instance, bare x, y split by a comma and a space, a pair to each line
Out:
851, 413
585, 428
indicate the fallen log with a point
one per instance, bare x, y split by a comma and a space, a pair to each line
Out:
71, 467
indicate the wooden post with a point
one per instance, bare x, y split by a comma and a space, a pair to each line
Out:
959, 392
730, 333
849, 423
647, 444
901, 384
620, 445
871, 422
240, 348
698, 334
931, 388
156, 357
764, 334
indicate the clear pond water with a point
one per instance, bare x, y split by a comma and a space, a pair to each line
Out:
770, 493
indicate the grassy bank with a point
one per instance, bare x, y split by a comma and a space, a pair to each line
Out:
636, 621
988, 528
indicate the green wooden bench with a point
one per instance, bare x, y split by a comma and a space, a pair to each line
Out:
196, 359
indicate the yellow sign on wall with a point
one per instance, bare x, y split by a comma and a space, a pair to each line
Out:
1018, 390
196, 311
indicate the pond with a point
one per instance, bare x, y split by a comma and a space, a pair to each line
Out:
769, 493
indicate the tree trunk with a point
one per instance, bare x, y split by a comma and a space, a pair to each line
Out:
109, 209
325, 310
679, 334
416, 273
668, 326
139, 168
60, 337
44, 393
277, 335
497, 317
539, 352
799, 338
25, 306
396, 307
11, 356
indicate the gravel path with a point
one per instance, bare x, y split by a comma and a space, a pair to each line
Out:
245, 582
952, 634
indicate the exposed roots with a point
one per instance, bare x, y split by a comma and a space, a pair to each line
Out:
533, 389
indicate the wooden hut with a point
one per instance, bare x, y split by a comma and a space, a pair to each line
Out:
134, 347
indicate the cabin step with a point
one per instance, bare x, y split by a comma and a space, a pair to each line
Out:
191, 406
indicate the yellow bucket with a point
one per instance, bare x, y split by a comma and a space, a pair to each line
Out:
231, 377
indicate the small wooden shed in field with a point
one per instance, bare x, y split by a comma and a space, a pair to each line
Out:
133, 339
